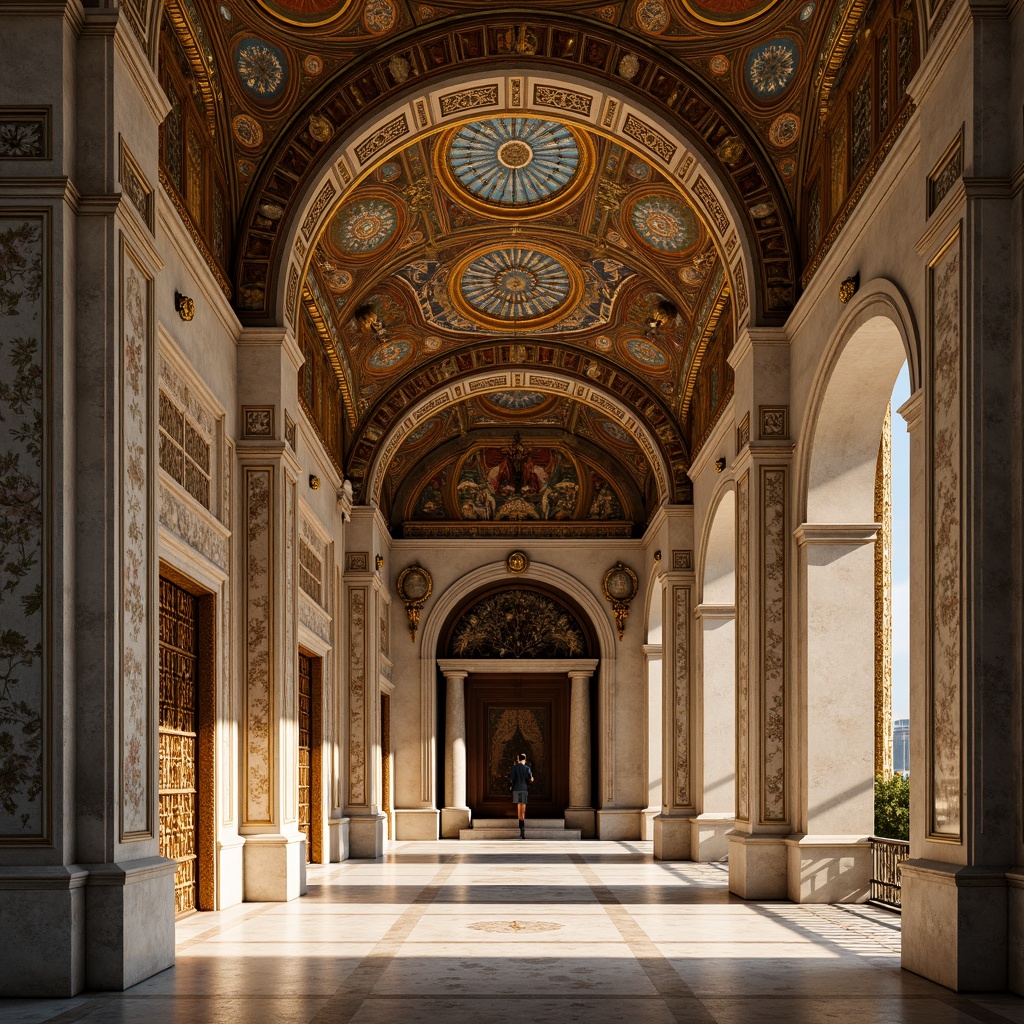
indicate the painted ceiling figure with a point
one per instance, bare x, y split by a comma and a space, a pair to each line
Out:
523, 218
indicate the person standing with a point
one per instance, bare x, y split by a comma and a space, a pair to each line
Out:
522, 776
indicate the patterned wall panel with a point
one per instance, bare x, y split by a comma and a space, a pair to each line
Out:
135, 534
357, 672
681, 687
774, 540
742, 648
258, 538
946, 596
24, 725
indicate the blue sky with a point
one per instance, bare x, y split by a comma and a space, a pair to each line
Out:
900, 551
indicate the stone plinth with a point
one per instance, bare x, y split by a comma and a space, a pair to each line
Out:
757, 866
275, 867
828, 869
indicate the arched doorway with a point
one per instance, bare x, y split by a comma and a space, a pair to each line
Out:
517, 678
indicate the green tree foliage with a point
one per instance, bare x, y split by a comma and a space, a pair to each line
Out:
892, 807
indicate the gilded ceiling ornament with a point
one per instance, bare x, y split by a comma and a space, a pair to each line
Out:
727, 12
364, 227
306, 12
665, 223
399, 68
730, 150
517, 624
652, 16
517, 562
262, 69
784, 130
379, 16
320, 128
629, 66
313, 64
770, 67
247, 130
807, 12
719, 64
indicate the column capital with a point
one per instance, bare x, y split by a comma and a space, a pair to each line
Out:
714, 611
850, 534
912, 410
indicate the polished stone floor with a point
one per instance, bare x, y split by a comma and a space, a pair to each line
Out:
530, 932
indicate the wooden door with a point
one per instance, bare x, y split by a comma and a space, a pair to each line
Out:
179, 647
511, 714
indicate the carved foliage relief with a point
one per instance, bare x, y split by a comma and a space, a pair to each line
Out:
258, 647
135, 549
946, 556
22, 692
742, 648
357, 696
681, 673
773, 643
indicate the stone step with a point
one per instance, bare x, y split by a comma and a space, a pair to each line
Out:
565, 835
514, 825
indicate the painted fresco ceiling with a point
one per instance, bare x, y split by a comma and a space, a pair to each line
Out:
516, 240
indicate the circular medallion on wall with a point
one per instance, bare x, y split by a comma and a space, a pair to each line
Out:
617, 432
247, 130
807, 12
603, 342
727, 12
313, 64
513, 165
338, 280
770, 68
665, 223
364, 227
784, 130
379, 16
262, 69
515, 285
646, 353
652, 16
517, 562
389, 355
719, 64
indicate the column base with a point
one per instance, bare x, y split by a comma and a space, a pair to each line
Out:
955, 925
618, 824
828, 869
647, 816
129, 922
709, 837
417, 823
452, 820
230, 872
581, 818
275, 867
366, 835
337, 831
45, 908
757, 866
672, 837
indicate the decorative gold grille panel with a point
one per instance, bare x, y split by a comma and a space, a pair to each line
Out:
305, 748
179, 637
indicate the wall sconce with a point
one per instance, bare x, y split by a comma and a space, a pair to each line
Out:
378, 562
314, 482
185, 306
720, 464
620, 586
414, 585
657, 555
848, 288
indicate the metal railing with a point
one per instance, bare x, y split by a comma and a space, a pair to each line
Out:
886, 857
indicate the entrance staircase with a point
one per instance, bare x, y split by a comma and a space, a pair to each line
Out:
508, 828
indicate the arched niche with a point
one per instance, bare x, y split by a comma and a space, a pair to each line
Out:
718, 557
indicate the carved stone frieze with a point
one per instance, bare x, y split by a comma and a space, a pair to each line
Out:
195, 528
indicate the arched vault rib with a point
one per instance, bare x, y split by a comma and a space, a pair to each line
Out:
544, 381
667, 115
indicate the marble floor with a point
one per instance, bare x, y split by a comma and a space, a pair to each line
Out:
531, 932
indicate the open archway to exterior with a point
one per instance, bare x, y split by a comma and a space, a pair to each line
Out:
654, 657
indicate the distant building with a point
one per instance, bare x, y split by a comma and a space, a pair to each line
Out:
901, 745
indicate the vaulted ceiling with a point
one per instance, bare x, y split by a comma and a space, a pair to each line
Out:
507, 239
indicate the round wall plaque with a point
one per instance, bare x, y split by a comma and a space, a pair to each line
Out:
517, 562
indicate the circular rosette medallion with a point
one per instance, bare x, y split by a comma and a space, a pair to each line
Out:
514, 286
665, 223
513, 165
770, 68
363, 227
262, 69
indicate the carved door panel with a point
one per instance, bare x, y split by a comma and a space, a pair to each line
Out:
179, 647
507, 715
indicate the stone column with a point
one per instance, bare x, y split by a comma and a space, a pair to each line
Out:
455, 814
653, 675
673, 826
764, 606
716, 798
579, 814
